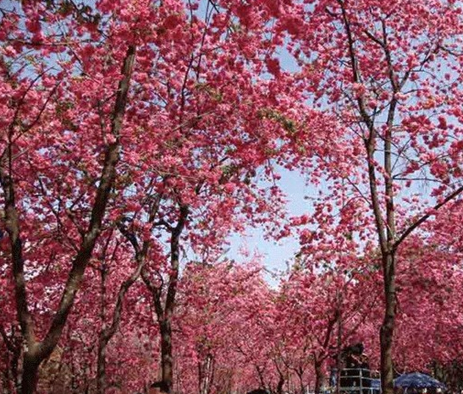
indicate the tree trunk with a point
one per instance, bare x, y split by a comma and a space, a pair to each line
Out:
42, 350
281, 383
108, 331
167, 363
387, 328
101, 367
101, 357
206, 375
165, 310
29, 374
318, 377
200, 376
338, 356
165, 314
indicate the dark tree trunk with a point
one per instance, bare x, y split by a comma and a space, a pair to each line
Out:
338, 355
37, 351
108, 331
29, 374
101, 356
280, 385
165, 311
387, 328
101, 367
167, 362
318, 377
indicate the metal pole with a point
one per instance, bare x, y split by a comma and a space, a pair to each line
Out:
361, 381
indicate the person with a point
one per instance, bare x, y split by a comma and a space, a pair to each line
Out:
159, 387
356, 371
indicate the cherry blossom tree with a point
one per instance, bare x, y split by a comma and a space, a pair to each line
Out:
221, 125
320, 314
44, 100
135, 135
389, 77
83, 154
219, 304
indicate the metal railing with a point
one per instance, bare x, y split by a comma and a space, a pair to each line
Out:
362, 379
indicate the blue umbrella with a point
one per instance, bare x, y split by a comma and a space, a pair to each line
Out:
418, 380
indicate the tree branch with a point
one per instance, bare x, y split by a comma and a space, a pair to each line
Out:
98, 211
426, 216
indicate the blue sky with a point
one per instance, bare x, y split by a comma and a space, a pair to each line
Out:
274, 255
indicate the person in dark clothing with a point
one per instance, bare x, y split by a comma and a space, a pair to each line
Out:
158, 388
350, 356
356, 370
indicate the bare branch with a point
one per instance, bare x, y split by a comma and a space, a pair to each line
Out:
426, 216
